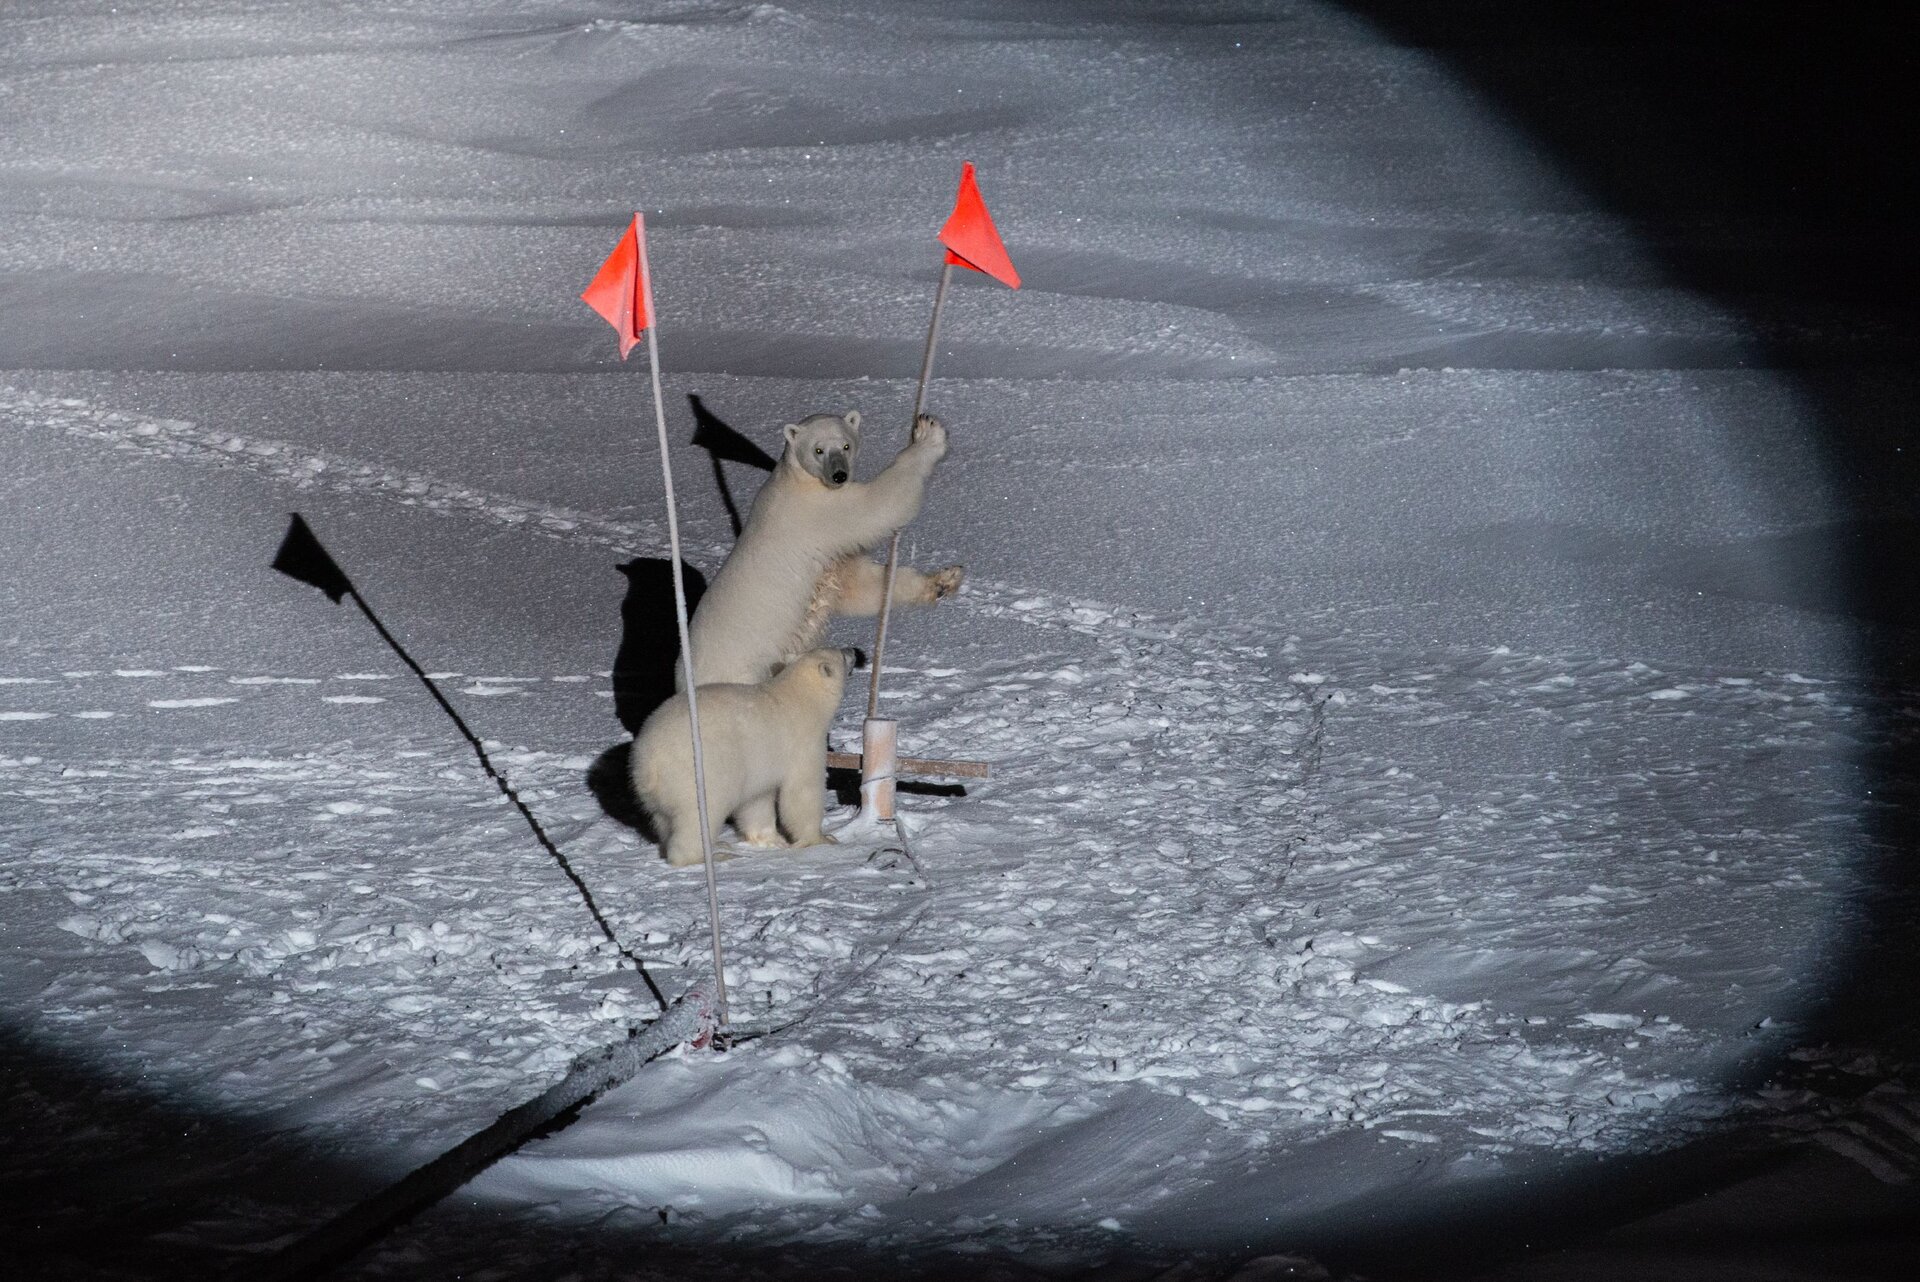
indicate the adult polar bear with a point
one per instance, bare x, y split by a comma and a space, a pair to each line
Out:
802, 557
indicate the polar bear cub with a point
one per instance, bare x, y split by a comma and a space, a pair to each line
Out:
764, 748
802, 556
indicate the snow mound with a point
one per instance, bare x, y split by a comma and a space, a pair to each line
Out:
696, 1135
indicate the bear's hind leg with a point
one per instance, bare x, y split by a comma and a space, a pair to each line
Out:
680, 840
862, 585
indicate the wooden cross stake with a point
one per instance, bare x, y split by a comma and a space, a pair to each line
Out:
879, 765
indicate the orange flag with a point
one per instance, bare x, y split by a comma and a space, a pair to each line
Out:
622, 291
970, 238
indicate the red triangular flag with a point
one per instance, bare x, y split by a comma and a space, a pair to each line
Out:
622, 291
970, 238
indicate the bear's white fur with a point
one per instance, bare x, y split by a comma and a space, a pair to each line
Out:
802, 557
764, 748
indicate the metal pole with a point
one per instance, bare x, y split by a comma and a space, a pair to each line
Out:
893, 545
686, 653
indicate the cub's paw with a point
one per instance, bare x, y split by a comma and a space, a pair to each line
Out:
764, 841
931, 433
944, 583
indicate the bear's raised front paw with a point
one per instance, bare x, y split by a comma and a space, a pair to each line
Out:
930, 432
944, 583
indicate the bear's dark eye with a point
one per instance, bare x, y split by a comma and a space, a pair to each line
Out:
818, 450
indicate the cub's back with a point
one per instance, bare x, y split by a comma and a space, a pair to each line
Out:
734, 724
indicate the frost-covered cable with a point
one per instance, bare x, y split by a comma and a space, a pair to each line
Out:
339, 1239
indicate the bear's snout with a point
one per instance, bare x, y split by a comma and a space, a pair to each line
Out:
838, 476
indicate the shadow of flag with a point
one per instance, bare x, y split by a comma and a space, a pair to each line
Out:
302, 557
723, 441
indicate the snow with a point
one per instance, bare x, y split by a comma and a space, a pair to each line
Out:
1431, 741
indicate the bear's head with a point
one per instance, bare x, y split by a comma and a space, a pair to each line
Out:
822, 673
823, 446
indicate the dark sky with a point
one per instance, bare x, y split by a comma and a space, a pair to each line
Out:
1793, 117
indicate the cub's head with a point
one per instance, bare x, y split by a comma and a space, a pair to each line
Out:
822, 671
823, 446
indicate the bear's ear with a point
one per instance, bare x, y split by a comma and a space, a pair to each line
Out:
853, 421
791, 430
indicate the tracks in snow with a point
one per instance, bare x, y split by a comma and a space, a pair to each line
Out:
1154, 888
303, 468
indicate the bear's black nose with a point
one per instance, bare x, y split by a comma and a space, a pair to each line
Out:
839, 478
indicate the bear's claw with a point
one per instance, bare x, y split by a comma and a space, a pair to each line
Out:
931, 432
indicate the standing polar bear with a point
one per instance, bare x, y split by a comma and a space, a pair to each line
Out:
802, 557
764, 748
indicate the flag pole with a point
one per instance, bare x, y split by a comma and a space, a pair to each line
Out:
686, 646
970, 241
893, 545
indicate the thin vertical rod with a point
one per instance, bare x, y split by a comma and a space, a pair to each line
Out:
893, 545
686, 652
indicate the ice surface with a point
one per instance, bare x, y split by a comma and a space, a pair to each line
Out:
1425, 703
